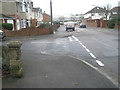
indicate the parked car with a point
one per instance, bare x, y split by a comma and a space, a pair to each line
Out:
70, 26
82, 25
2, 35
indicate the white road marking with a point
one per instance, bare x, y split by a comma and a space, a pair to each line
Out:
70, 38
43, 52
54, 32
92, 55
75, 38
87, 50
84, 46
99, 63
85, 62
40, 42
80, 42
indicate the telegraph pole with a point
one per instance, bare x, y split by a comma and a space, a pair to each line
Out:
51, 12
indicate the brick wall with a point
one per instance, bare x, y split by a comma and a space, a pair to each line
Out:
30, 31
117, 26
96, 23
103, 23
91, 23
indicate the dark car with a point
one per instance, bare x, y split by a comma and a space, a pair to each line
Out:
82, 25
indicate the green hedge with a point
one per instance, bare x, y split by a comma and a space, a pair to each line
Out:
7, 26
113, 21
44, 25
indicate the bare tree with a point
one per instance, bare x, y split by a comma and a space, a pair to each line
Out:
61, 18
107, 8
72, 16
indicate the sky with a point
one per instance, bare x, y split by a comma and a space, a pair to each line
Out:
68, 7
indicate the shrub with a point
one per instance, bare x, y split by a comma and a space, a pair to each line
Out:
113, 21
7, 26
44, 25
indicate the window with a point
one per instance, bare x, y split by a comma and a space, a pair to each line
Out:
114, 12
92, 14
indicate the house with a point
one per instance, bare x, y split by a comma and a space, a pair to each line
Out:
95, 13
21, 10
96, 17
114, 12
37, 17
46, 17
7, 19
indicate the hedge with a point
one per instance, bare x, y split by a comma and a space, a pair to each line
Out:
113, 21
7, 26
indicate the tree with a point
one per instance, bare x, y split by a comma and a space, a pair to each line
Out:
107, 8
61, 18
73, 17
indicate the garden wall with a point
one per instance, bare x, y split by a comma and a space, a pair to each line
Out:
31, 31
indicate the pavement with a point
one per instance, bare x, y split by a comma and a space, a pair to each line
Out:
44, 70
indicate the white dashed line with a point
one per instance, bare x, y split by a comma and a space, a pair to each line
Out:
75, 38
70, 38
99, 63
87, 50
91, 54
84, 46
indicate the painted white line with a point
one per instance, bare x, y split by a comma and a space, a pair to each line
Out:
54, 32
99, 63
92, 55
80, 42
75, 38
85, 62
84, 46
43, 52
70, 38
87, 50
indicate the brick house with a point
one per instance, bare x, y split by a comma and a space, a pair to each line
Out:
36, 16
46, 17
19, 9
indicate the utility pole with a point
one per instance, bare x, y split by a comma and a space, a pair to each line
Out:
51, 12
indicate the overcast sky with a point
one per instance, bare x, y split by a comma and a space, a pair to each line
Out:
68, 7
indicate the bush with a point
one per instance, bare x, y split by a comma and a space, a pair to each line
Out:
113, 21
44, 25
7, 26
56, 22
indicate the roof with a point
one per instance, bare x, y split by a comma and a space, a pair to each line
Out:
16, 0
96, 10
2, 16
115, 9
37, 9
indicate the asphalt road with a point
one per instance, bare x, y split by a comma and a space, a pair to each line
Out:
61, 61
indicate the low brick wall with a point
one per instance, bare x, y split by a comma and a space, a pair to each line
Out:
30, 31
91, 23
117, 26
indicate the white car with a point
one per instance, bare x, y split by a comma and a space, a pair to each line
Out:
2, 34
70, 25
